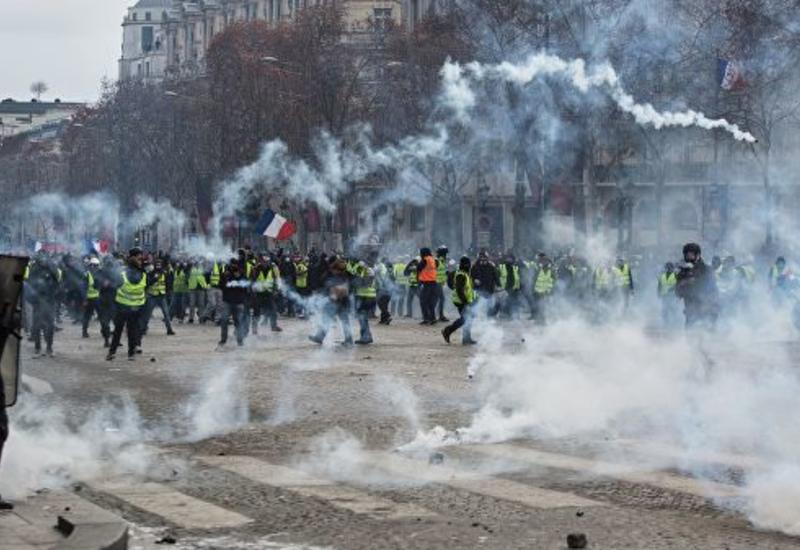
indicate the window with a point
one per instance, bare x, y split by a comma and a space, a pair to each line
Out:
139, 69
147, 16
146, 68
382, 18
417, 218
135, 16
147, 39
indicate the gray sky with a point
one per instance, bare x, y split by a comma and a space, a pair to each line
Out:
70, 44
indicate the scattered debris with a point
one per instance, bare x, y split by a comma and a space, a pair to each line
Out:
67, 508
579, 513
152, 359
313, 412
576, 540
167, 540
436, 458
221, 453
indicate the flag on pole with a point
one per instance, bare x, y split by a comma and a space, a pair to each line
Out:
102, 246
273, 225
730, 74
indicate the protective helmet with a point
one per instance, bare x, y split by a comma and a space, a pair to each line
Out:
442, 251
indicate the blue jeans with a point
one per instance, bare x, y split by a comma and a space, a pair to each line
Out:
364, 307
237, 311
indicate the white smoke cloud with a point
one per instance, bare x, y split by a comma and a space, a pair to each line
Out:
727, 393
48, 448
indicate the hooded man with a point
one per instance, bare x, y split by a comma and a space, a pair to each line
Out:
697, 288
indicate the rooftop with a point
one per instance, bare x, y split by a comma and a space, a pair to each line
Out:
153, 4
35, 107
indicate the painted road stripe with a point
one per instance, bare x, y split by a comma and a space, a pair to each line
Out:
499, 488
678, 455
307, 485
175, 507
672, 482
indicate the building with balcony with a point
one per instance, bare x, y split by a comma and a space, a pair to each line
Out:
170, 38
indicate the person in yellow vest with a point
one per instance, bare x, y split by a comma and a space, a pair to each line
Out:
266, 279
129, 302
666, 293
603, 282
197, 285
301, 284
441, 281
213, 308
180, 292
91, 295
463, 297
400, 280
366, 292
623, 279
544, 281
156, 297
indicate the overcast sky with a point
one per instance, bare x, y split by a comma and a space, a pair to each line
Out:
70, 44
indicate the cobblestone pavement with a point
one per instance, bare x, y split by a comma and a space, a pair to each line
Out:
313, 465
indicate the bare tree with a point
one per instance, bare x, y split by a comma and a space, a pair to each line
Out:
39, 87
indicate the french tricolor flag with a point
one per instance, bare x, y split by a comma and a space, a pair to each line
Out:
730, 75
275, 226
101, 246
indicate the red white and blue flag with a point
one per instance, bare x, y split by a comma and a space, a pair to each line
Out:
730, 74
102, 246
273, 225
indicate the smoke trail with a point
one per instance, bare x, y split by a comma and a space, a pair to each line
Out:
459, 96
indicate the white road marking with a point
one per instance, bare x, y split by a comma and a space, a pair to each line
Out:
304, 484
473, 482
679, 456
175, 507
36, 386
629, 472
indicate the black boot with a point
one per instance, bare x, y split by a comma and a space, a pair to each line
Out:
446, 332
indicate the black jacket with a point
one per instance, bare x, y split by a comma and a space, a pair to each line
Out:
485, 277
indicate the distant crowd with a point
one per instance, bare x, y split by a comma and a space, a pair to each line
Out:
251, 289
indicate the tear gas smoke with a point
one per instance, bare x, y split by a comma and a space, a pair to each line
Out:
149, 211
399, 395
459, 95
726, 393
220, 406
49, 449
